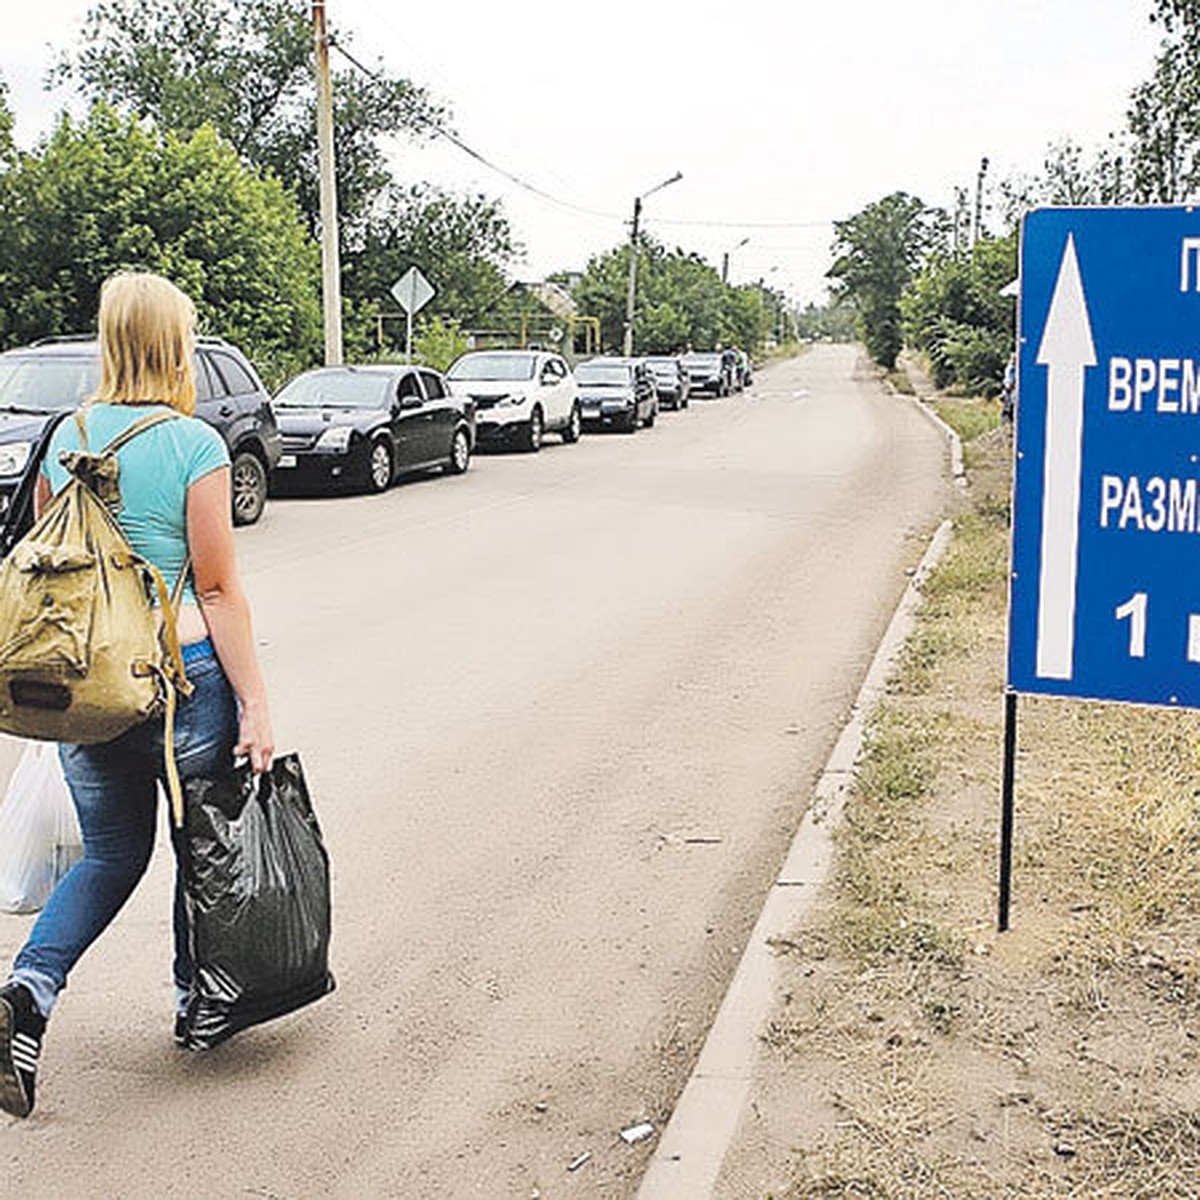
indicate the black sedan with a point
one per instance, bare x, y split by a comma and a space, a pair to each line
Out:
616, 392
363, 427
671, 380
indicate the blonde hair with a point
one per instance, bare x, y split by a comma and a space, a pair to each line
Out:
147, 342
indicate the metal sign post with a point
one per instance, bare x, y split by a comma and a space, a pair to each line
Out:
1105, 589
412, 291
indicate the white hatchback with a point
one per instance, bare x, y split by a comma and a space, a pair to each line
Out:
519, 395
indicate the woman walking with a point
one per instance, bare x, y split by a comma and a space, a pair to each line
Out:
175, 505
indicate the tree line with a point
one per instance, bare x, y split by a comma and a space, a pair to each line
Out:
911, 274
197, 159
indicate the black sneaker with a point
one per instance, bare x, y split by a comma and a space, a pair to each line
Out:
181, 1030
21, 1030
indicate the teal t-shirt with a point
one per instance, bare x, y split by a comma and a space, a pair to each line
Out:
157, 468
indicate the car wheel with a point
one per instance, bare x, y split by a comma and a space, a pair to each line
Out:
533, 434
379, 466
460, 453
631, 421
249, 487
574, 426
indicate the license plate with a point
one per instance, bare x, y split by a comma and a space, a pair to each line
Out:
286, 460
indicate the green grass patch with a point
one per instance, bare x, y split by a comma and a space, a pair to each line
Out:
969, 418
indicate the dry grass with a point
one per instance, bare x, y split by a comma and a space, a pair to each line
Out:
1061, 1059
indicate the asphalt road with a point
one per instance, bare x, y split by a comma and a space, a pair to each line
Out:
561, 716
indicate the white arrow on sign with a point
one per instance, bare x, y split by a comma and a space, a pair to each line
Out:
1066, 350
412, 291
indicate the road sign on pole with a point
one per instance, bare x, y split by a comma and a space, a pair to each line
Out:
1105, 589
412, 292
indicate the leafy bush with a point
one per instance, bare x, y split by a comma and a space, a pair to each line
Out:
953, 310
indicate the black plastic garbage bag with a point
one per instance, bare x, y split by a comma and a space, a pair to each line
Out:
256, 880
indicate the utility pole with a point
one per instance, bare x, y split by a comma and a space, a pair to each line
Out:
631, 296
331, 272
725, 259
631, 293
983, 166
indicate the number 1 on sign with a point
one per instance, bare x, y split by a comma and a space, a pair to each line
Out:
1135, 609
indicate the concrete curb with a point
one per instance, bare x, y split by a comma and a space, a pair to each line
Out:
956, 451
688, 1158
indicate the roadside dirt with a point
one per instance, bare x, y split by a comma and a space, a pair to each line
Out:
914, 1051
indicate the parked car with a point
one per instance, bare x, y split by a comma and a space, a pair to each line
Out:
708, 372
43, 382
670, 380
519, 395
617, 392
364, 427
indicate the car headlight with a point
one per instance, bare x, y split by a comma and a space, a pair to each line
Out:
335, 439
13, 457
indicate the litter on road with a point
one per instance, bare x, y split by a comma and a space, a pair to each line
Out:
637, 1133
576, 1163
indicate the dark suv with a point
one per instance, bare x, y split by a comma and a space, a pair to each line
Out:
43, 382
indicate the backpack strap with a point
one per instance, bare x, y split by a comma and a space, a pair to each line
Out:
138, 426
126, 435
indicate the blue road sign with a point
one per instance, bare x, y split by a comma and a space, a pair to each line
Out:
1105, 591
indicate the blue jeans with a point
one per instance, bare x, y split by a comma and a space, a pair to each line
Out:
113, 787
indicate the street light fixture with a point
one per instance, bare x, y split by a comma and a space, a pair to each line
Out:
725, 259
633, 236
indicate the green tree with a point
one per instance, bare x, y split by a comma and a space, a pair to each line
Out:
462, 244
833, 321
954, 312
439, 343
878, 251
7, 146
245, 67
1164, 113
680, 301
1069, 174
111, 193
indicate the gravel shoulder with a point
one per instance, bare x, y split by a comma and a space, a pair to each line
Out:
915, 1052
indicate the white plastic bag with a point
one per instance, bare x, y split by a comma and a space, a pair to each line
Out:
39, 832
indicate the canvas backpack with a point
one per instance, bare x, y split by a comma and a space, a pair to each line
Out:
84, 655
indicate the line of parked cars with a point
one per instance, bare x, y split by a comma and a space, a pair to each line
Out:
356, 427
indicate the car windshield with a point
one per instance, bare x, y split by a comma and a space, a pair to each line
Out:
493, 368
336, 389
702, 360
45, 383
602, 374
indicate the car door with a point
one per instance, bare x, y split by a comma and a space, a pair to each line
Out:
556, 401
214, 404
442, 416
236, 396
411, 423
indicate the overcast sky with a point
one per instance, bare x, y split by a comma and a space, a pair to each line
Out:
783, 115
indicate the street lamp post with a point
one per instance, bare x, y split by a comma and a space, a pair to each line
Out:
631, 295
725, 259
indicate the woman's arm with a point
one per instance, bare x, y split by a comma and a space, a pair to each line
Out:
227, 611
41, 495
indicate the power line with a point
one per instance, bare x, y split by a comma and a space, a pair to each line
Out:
454, 140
